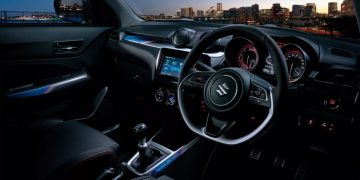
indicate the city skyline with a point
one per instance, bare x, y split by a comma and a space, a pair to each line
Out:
169, 7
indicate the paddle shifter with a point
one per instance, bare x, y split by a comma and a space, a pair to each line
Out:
145, 153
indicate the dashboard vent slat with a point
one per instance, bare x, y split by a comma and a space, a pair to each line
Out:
340, 52
115, 36
337, 77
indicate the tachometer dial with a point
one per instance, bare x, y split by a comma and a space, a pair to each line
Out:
248, 57
296, 61
242, 52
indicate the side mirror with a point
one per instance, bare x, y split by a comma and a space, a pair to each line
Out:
70, 10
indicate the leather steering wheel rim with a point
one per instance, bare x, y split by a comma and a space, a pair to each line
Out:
275, 93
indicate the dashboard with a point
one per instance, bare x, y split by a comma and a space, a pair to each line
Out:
243, 53
324, 73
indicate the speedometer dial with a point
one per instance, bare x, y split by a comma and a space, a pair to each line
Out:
296, 61
248, 57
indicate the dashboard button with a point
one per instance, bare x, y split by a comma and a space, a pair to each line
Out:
331, 103
310, 122
327, 126
331, 127
324, 125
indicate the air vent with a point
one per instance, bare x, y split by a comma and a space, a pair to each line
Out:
340, 52
115, 36
337, 76
182, 37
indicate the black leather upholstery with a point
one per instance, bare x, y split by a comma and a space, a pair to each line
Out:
68, 150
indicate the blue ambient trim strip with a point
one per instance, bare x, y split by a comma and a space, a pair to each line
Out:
30, 93
137, 39
166, 163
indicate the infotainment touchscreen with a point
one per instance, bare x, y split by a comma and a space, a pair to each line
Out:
171, 66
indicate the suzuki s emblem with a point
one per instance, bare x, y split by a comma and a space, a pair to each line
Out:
222, 90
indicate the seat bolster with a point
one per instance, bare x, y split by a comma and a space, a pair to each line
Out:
65, 147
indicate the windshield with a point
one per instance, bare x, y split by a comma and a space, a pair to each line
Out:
321, 17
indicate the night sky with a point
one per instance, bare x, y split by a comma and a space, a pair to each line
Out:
30, 5
27, 5
169, 7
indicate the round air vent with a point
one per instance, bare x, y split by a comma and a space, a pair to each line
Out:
182, 37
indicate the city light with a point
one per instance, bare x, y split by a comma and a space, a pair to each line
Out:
308, 10
303, 17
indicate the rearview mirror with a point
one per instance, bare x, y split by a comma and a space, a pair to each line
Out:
70, 10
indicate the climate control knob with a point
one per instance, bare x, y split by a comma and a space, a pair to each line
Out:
159, 95
171, 99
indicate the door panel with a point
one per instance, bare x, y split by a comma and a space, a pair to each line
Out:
48, 86
51, 72
28, 43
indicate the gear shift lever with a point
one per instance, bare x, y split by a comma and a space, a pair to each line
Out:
145, 153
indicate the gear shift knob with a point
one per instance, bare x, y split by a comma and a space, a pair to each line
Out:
140, 132
145, 153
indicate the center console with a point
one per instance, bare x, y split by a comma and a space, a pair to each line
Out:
169, 66
173, 145
160, 151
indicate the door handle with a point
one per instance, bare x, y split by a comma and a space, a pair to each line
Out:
65, 47
69, 48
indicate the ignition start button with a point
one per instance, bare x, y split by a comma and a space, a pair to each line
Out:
332, 103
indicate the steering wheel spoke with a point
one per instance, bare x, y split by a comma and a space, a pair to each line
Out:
216, 127
197, 80
205, 66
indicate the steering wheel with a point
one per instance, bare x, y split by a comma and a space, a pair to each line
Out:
231, 93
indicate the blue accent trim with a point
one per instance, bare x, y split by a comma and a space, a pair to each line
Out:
29, 93
137, 39
166, 163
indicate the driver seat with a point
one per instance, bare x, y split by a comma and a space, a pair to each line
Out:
56, 149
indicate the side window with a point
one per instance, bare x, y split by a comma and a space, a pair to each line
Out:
42, 12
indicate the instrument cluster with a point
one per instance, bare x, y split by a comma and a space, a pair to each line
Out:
242, 52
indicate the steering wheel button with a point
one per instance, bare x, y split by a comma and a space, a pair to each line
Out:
200, 79
262, 95
257, 92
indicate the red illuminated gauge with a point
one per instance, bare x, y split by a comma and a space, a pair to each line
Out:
296, 62
248, 57
280, 44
